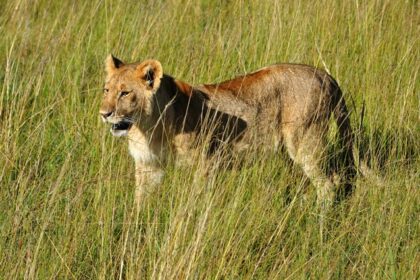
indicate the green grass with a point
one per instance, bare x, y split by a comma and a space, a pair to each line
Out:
66, 186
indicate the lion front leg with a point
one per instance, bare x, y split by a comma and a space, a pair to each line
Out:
148, 177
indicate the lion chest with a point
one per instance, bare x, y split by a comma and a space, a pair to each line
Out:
141, 153
139, 147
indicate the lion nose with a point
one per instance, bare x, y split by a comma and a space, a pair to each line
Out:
105, 115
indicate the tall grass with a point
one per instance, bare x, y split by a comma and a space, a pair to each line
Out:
66, 186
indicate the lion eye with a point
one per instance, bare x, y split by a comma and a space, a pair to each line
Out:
106, 90
124, 93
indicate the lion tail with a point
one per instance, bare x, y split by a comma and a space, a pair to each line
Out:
342, 117
350, 153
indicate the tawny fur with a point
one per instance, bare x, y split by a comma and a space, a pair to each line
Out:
283, 104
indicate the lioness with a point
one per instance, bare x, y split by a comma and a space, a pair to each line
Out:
282, 104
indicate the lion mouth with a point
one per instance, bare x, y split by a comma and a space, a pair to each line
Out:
121, 128
122, 125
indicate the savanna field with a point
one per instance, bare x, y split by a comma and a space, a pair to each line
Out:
67, 185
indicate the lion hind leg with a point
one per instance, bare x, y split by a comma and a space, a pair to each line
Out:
307, 148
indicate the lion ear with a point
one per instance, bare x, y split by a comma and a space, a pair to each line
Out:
150, 72
112, 63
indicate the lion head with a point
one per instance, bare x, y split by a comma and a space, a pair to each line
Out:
128, 92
